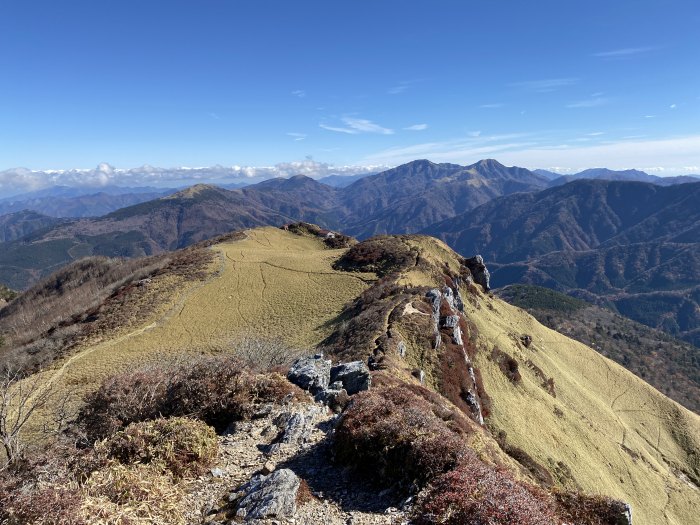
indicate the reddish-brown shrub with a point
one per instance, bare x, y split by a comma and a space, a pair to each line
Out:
478, 494
217, 390
584, 509
393, 435
382, 255
46, 505
507, 364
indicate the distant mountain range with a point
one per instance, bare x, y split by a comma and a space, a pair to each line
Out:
558, 179
632, 245
401, 200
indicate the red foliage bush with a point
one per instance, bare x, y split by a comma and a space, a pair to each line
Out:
584, 509
478, 494
393, 435
216, 390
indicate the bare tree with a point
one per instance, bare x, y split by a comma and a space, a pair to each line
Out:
20, 399
264, 353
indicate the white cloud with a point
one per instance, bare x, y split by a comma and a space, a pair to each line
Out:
492, 106
546, 85
299, 93
624, 53
355, 126
416, 127
297, 136
596, 133
589, 103
673, 106
22, 180
649, 116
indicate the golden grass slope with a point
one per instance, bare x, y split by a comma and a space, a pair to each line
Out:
606, 431
614, 433
272, 285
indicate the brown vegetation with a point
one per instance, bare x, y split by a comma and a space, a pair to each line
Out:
185, 447
381, 255
217, 390
84, 299
478, 494
394, 435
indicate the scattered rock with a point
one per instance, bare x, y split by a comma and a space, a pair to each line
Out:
401, 349
450, 321
526, 340
272, 496
216, 472
354, 376
479, 271
311, 373
268, 468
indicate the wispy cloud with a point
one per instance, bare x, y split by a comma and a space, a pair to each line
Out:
355, 126
596, 133
675, 155
297, 136
673, 106
299, 93
472, 147
214, 116
492, 106
626, 52
546, 85
416, 127
592, 102
400, 87
649, 116
397, 89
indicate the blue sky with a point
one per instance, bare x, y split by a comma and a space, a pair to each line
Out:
565, 84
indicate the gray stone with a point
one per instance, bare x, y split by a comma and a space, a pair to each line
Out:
450, 321
355, 376
311, 373
449, 296
216, 472
401, 349
297, 427
457, 335
272, 496
479, 271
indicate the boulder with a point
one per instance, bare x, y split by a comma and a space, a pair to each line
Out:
311, 373
450, 321
354, 376
479, 271
271, 496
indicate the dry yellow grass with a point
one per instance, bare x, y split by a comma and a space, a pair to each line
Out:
617, 435
606, 431
272, 284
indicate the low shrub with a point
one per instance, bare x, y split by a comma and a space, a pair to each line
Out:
216, 390
25, 504
185, 447
478, 494
382, 255
584, 509
392, 435
134, 495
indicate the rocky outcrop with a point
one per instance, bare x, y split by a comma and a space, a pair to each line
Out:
330, 385
311, 373
272, 496
354, 377
479, 272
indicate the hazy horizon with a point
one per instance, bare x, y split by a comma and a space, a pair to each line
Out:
563, 87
